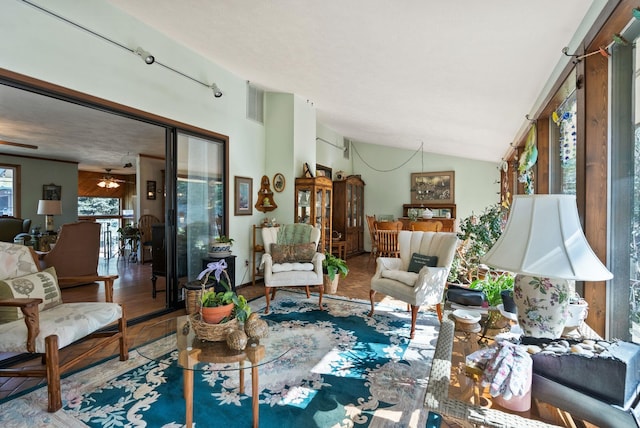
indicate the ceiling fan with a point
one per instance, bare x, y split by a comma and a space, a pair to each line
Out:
108, 181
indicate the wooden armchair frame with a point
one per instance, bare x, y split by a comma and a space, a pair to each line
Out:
52, 368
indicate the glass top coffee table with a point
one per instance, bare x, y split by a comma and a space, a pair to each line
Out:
196, 355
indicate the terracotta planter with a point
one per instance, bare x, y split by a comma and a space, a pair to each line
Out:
216, 314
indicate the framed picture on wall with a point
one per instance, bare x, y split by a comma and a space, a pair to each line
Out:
433, 187
51, 192
151, 189
323, 171
244, 196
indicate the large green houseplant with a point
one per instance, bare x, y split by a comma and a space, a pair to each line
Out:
478, 233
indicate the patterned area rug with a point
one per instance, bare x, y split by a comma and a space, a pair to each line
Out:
344, 370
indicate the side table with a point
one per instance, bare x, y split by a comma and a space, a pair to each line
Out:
195, 355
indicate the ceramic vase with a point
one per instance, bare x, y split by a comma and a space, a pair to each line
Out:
542, 305
213, 315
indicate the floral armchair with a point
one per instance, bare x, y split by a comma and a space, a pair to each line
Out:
291, 259
34, 320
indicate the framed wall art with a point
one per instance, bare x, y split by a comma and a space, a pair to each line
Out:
278, 182
433, 187
244, 195
323, 171
151, 189
51, 192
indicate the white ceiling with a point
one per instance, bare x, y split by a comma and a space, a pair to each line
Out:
458, 76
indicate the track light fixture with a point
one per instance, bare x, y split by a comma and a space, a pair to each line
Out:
146, 56
216, 91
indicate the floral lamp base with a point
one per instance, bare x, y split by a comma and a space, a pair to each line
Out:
542, 305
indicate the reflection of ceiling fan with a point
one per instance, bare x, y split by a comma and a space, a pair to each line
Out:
108, 182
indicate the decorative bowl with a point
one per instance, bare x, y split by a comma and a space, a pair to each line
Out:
467, 317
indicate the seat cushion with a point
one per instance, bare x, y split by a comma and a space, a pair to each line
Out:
288, 267
292, 253
408, 278
70, 321
43, 285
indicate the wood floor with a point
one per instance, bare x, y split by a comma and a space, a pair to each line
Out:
133, 290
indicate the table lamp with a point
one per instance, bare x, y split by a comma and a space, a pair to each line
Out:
544, 245
49, 208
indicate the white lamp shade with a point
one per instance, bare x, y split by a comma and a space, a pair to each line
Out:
46, 207
543, 237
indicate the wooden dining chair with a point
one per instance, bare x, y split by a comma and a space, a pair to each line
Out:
426, 226
371, 223
388, 243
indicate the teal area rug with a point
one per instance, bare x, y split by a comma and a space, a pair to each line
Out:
344, 369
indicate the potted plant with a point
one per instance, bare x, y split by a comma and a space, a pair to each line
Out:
478, 233
333, 267
221, 306
496, 286
221, 245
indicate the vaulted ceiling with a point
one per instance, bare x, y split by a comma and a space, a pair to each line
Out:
459, 77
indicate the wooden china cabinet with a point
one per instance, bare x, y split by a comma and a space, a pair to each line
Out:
313, 206
348, 212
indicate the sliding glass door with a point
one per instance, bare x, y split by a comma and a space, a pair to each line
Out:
200, 201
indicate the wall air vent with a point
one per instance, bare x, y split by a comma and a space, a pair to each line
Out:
347, 148
255, 103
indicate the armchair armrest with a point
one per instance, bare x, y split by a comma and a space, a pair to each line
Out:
387, 263
266, 264
107, 279
29, 308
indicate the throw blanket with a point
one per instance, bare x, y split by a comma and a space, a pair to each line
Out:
294, 233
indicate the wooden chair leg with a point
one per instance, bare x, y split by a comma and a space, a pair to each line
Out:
439, 311
53, 374
266, 296
372, 294
320, 292
122, 327
414, 316
307, 290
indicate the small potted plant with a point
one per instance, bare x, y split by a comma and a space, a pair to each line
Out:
221, 246
221, 306
333, 267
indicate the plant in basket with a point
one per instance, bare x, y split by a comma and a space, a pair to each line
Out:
221, 306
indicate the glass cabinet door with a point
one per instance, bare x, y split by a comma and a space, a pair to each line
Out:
303, 201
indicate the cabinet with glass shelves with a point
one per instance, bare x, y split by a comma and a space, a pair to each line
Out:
313, 206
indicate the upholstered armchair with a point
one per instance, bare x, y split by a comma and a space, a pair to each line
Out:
419, 276
75, 255
13, 227
34, 320
291, 259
